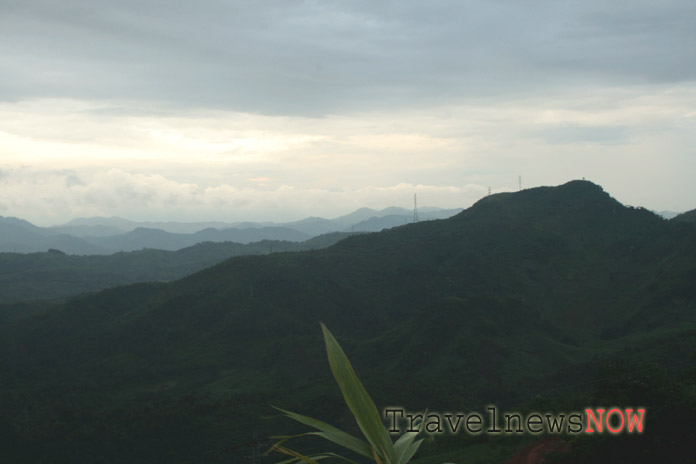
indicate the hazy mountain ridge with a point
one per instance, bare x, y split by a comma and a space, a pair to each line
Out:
337, 224
667, 214
88, 236
122, 225
522, 293
27, 276
19, 236
162, 240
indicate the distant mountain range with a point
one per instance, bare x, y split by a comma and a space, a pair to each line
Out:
548, 299
110, 235
667, 214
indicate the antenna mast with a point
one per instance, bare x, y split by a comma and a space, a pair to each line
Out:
520, 182
415, 208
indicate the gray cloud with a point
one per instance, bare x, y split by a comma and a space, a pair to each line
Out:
605, 135
315, 58
72, 180
156, 197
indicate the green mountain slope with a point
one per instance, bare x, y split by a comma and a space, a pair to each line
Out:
54, 274
519, 295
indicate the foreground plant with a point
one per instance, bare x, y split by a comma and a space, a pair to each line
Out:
377, 446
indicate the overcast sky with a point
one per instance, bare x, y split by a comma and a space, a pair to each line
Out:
278, 110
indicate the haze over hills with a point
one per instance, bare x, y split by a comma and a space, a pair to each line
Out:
86, 227
522, 294
53, 274
668, 214
23, 237
111, 235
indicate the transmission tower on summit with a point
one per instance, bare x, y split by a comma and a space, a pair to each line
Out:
415, 208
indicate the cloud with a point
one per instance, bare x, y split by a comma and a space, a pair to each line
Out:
320, 58
152, 196
62, 158
585, 135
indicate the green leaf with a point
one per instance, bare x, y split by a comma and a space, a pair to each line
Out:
358, 400
331, 433
405, 447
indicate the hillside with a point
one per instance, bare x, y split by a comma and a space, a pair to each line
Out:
19, 236
162, 240
520, 295
689, 216
53, 274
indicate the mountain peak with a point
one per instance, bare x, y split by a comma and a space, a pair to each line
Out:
573, 195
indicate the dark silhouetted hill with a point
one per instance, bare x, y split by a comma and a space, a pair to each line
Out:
689, 216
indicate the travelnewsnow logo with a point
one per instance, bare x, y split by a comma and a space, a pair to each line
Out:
592, 421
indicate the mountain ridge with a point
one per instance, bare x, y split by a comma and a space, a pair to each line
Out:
519, 294
48, 275
112, 235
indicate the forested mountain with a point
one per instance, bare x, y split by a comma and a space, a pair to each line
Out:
689, 216
53, 274
519, 298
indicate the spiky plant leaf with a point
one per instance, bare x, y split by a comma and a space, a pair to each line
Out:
405, 447
358, 400
331, 433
